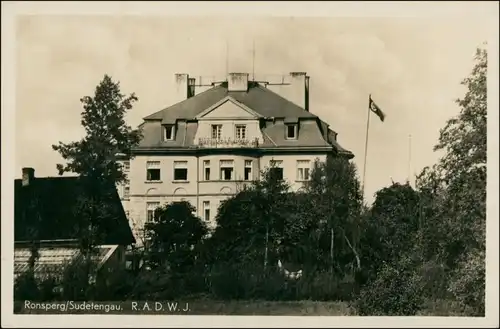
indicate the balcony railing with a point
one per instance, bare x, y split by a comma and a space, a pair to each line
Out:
227, 142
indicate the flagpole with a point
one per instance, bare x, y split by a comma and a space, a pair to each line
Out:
253, 60
227, 58
366, 145
409, 159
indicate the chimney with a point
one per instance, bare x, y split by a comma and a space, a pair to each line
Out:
191, 86
28, 176
237, 82
182, 87
298, 90
306, 99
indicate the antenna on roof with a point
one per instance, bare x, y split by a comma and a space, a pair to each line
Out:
253, 60
227, 58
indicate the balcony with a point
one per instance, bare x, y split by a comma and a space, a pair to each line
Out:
227, 143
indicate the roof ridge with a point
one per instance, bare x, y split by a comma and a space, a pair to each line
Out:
184, 100
49, 177
287, 100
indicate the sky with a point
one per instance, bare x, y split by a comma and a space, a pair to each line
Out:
411, 66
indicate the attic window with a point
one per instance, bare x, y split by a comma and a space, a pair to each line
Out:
169, 132
291, 131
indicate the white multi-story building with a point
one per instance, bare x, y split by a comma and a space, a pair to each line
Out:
210, 143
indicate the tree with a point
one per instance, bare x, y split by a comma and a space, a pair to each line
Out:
239, 236
251, 224
394, 291
175, 234
94, 157
464, 136
455, 194
392, 224
336, 201
272, 194
103, 118
26, 287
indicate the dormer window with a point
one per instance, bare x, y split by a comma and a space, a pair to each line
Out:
291, 131
169, 132
241, 132
216, 132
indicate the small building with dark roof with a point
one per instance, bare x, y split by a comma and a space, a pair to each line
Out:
46, 215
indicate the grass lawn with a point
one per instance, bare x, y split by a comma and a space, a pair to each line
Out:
292, 308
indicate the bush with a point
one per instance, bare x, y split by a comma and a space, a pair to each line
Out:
395, 291
149, 284
434, 279
114, 285
77, 280
468, 283
245, 281
254, 282
26, 287
325, 286
48, 288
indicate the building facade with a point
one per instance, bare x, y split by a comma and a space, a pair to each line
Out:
212, 142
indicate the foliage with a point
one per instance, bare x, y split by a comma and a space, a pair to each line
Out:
391, 226
94, 159
113, 284
107, 135
395, 291
464, 137
175, 234
78, 281
48, 289
252, 223
247, 281
468, 282
440, 227
454, 193
26, 287
335, 204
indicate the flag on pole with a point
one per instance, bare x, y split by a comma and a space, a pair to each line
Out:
375, 109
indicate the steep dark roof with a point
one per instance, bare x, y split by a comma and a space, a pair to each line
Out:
312, 131
52, 201
258, 98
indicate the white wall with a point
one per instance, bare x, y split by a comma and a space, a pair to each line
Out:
196, 191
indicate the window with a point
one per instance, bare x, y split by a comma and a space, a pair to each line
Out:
226, 169
206, 210
241, 132
169, 132
276, 169
151, 208
126, 192
291, 131
126, 166
303, 170
153, 170
206, 169
248, 169
180, 170
216, 131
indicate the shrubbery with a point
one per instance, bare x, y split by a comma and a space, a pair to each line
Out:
468, 283
395, 291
